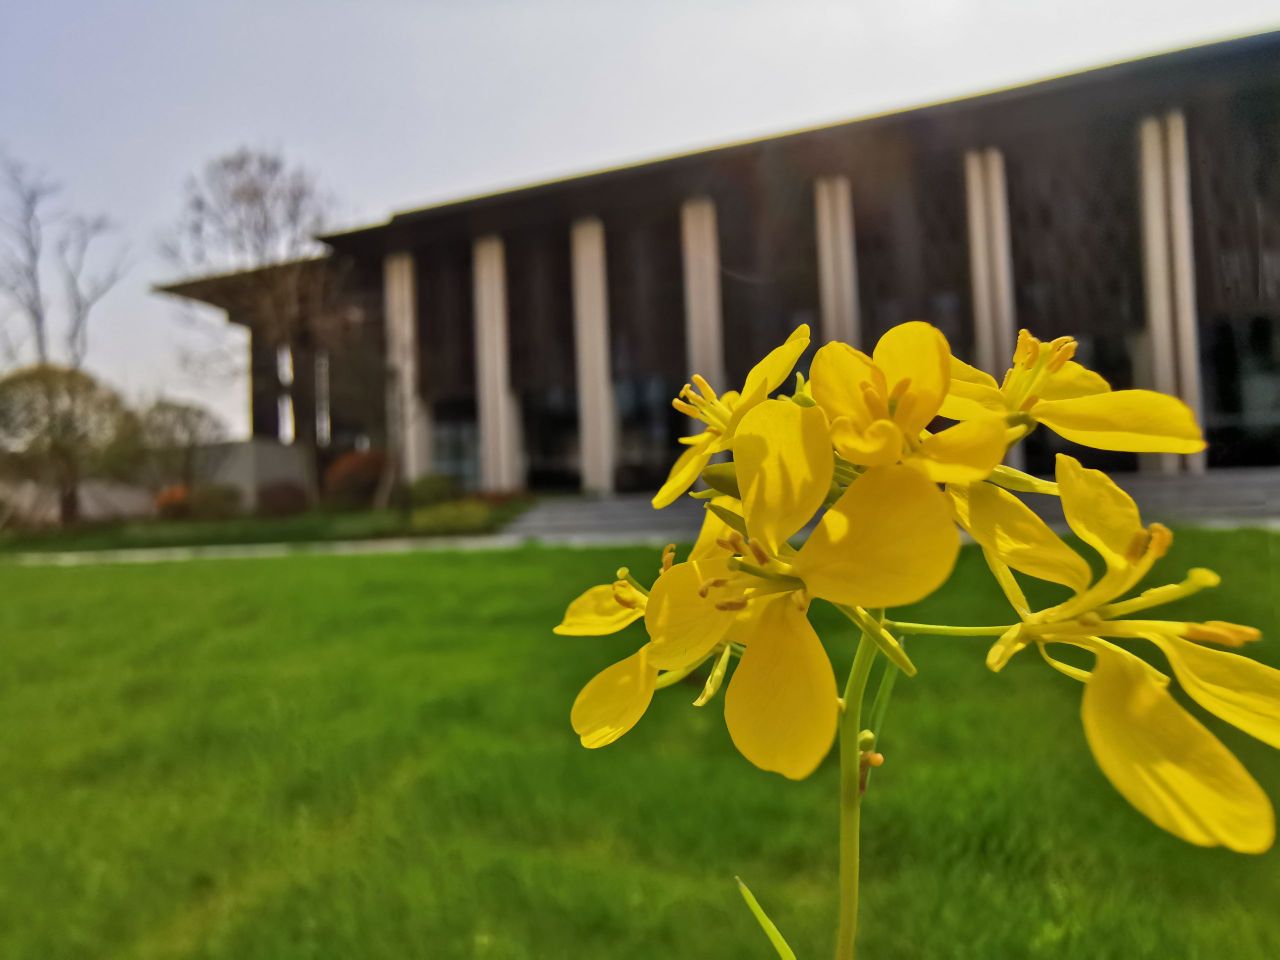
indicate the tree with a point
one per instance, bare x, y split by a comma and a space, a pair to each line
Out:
174, 434
59, 422
251, 219
53, 392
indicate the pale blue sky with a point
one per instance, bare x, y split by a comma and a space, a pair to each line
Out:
396, 103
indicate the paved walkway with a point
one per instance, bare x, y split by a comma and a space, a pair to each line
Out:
1224, 498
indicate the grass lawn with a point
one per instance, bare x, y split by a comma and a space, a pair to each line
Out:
369, 757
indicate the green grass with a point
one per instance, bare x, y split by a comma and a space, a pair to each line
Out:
369, 757
443, 519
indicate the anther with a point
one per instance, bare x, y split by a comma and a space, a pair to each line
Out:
1028, 403
624, 596
704, 387
899, 389
687, 409
875, 403
731, 605
708, 585
668, 557
1064, 348
1223, 633
1138, 545
757, 551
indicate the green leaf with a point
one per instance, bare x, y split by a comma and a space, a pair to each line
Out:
767, 925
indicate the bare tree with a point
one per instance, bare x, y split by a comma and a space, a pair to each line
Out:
27, 222
248, 228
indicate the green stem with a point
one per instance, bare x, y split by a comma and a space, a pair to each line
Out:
851, 795
940, 630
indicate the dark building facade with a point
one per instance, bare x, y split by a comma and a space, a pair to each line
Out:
535, 337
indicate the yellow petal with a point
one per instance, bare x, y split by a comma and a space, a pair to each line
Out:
782, 453
597, 613
1072, 380
836, 377
916, 351
767, 375
684, 624
965, 453
879, 445
1241, 691
890, 539
972, 394
1100, 513
1010, 530
684, 473
713, 529
1139, 421
614, 700
781, 706
1165, 763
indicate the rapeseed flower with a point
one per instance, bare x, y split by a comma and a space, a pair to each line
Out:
721, 413
1158, 756
1044, 385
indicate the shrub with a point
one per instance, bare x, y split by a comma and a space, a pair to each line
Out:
282, 498
173, 503
454, 517
432, 489
352, 480
214, 501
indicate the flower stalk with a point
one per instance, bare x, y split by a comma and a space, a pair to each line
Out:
851, 795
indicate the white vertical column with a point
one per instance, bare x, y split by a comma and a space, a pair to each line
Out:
837, 259
1182, 260
1157, 271
1002, 302
984, 334
703, 317
408, 417
498, 412
991, 266
597, 430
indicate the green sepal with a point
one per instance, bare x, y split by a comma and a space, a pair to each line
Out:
881, 637
722, 478
768, 926
734, 520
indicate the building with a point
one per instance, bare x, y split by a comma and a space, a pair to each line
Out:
534, 337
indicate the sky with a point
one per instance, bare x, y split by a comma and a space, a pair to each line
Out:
393, 104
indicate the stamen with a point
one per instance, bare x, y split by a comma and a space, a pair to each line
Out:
1028, 403
687, 409
704, 387
624, 595
668, 557
757, 551
708, 585
731, 605
875, 403
1138, 545
1064, 348
1028, 348
1222, 633
899, 389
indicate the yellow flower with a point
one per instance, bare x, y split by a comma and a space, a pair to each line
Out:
889, 539
1046, 386
1158, 756
721, 413
615, 699
879, 406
